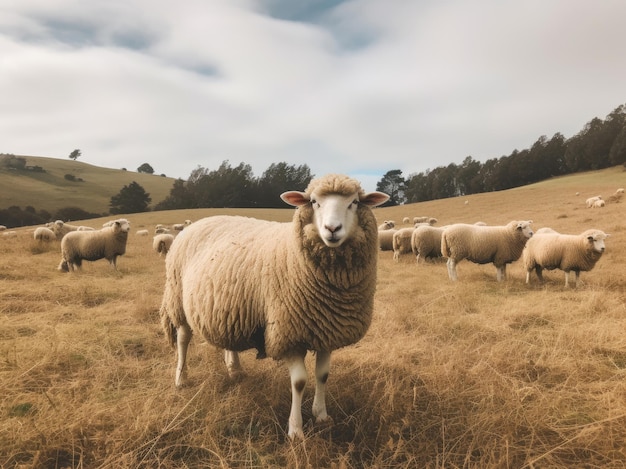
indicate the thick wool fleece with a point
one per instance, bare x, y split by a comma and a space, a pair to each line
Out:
246, 283
483, 244
562, 251
107, 243
426, 241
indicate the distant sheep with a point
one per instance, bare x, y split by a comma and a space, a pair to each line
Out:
385, 239
85, 228
386, 225
178, 227
107, 243
142, 233
3, 228
406, 220
591, 200
61, 228
598, 204
9, 234
282, 288
499, 245
161, 243
401, 242
569, 253
426, 242
616, 197
44, 234
162, 230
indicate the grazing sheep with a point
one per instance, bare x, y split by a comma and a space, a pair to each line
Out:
107, 243
499, 245
142, 233
161, 243
552, 250
282, 288
420, 220
401, 242
178, 226
426, 242
44, 234
162, 230
406, 220
10, 234
385, 239
386, 225
85, 228
591, 200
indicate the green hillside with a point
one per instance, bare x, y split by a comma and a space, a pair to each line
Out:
50, 190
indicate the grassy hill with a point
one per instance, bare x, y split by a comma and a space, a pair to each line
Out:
467, 374
50, 190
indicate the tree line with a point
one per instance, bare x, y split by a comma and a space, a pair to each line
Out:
600, 144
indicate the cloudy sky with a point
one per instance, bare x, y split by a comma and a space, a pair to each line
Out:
359, 87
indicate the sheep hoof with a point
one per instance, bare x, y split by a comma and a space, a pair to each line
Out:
295, 434
324, 421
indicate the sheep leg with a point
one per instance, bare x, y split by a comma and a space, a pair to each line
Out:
233, 365
577, 278
567, 278
297, 375
183, 336
451, 264
501, 273
322, 369
539, 272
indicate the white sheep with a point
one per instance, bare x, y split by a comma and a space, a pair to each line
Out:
598, 204
282, 288
161, 243
406, 220
385, 239
499, 245
85, 228
61, 228
591, 200
426, 242
9, 234
42, 233
142, 233
401, 242
569, 253
386, 225
178, 226
107, 243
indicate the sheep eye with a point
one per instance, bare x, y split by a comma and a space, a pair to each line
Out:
314, 203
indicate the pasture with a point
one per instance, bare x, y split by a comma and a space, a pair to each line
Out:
472, 374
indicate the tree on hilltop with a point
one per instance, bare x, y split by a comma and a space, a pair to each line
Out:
75, 154
131, 199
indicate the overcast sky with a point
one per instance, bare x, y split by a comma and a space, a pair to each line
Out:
358, 87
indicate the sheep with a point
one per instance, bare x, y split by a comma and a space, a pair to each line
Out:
406, 220
591, 200
386, 225
10, 234
162, 230
616, 197
499, 245
385, 239
142, 233
420, 220
598, 204
552, 250
401, 242
85, 228
178, 227
426, 242
161, 243
282, 288
107, 243
3, 228
42, 233
61, 228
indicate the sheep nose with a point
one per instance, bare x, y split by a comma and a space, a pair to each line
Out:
333, 229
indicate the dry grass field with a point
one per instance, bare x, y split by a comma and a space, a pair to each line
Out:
472, 374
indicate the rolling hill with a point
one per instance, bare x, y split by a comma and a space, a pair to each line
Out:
50, 190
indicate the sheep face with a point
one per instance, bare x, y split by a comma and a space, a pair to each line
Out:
525, 229
596, 242
334, 215
122, 226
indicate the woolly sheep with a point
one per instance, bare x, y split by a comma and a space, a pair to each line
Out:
386, 225
401, 242
406, 220
107, 243
385, 239
282, 288
142, 233
591, 200
569, 253
598, 204
178, 227
161, 243
499, 245
426, 242
42, 233
162, 230
85, 228
420, 220
10, 234
61, 228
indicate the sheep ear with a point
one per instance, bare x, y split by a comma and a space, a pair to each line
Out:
374, 199
295, 198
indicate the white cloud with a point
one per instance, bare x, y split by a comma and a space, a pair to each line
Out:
361, 88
